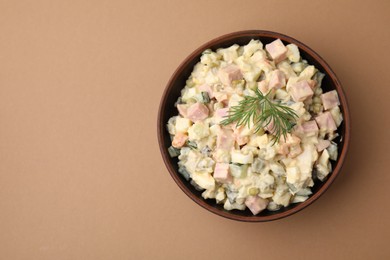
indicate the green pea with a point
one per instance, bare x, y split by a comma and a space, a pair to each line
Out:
253, 191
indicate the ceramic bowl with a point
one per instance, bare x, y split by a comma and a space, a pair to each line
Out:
177, 82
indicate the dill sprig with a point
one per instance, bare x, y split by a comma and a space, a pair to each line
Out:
262, 111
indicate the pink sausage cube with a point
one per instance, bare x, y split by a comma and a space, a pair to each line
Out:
197, 112
310, 127
277, 50
278, 79
298, 130
182, 109
283, 148
263, 87
220, 96
221, 114
256, 204
312, 83
295, 151
241, 140
300, 91
221, 173
225, 139
326, 122
330, 99
322, 144
229, 73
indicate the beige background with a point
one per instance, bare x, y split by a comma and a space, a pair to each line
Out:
81, 176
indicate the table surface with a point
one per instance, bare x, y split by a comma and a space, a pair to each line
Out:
81, 176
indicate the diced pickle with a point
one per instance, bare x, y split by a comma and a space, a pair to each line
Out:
205, 97
183, 171
191, 144
173, 152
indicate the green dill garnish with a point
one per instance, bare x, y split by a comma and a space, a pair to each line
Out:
262, 111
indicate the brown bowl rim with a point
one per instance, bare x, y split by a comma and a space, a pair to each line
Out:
343, 101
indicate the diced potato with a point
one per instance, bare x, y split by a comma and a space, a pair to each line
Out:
234, 100
198, 131
299, 108
298, 67
243, 64
210, 59
337, 116
323, 165
188, 93
171, 125
307, 73
238, 157
298, 199
287, 69
293, 53
282, 195
231, 206
293, 174
222, 156
267, 153
262, 141
252, 75
214, 129
229, 54
204, 180
332, 150
266, 183
258, 56
220, 195
238, 171
209, 194
282, 94
252, 47
182, 124
277, 168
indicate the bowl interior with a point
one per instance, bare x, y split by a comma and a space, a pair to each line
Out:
177, 82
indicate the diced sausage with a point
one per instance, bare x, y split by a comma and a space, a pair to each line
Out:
295, 150
277, 80
229, 73
221, 114
325, 122
222, 173
277, 50
300, 91
310, 127
197, 112
256, 204
263, 87
330, 99
322, 144
225, 139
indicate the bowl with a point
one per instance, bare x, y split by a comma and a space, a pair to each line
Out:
177, 82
